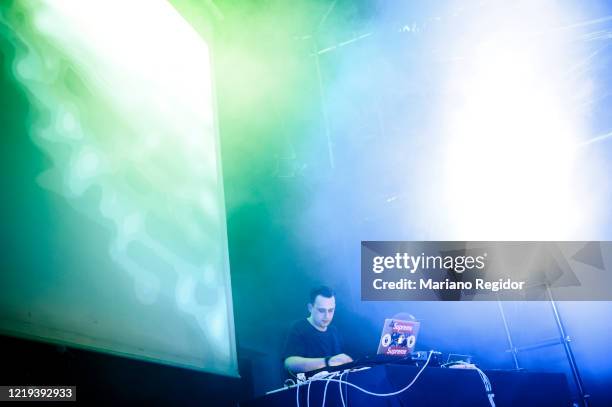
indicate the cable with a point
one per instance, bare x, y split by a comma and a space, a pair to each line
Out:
346, 386
340, 388
383, 394
487, 385
327, 384
340, 381
483, 377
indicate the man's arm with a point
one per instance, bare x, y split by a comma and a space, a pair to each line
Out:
298, 364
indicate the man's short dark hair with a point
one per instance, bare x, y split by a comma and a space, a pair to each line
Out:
323, 291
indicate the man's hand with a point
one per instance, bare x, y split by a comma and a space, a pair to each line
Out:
340, 359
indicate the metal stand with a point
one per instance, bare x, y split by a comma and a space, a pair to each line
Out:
512, 349
563, 339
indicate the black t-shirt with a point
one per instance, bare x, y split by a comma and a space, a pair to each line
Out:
308, 342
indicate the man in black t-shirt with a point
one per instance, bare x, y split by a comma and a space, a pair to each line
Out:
312, 343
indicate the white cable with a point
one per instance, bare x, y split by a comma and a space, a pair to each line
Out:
340, 388
485, 380
346, 387
487, 385
327, 384
384, 394
297, 395
308, 394
330, 378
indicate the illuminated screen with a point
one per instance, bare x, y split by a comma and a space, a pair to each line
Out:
114, 232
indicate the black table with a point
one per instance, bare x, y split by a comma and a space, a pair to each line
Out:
435, 387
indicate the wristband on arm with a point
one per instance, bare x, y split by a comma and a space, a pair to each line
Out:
327, 361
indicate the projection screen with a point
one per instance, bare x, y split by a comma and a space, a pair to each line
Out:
114, 231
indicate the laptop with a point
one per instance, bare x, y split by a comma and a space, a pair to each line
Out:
398, 338
396, 344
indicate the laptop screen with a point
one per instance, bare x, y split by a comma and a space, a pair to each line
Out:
398, 337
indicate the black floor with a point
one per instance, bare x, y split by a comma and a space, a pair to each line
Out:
109, 380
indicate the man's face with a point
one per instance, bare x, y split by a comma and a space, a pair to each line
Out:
322, 311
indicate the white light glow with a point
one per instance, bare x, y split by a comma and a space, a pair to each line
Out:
511, 135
